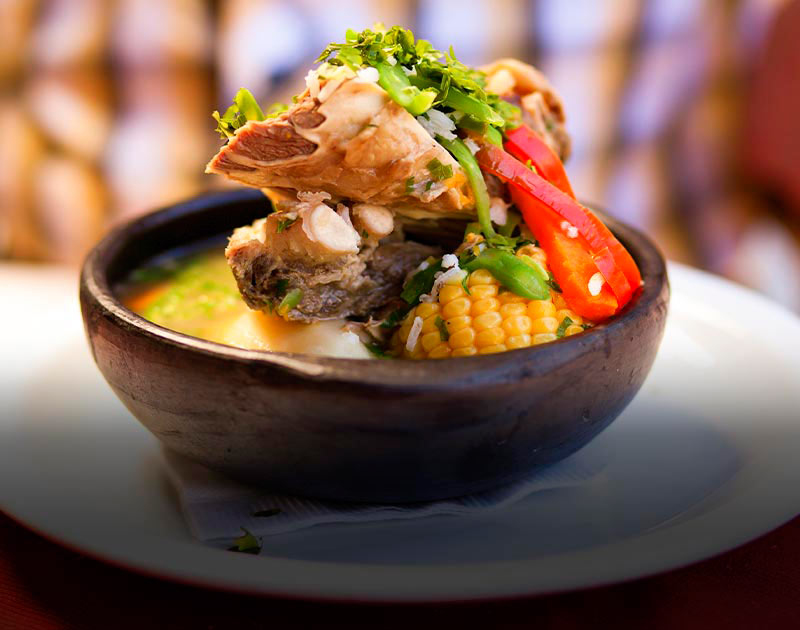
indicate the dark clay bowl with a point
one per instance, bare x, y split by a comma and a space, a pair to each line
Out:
360, 430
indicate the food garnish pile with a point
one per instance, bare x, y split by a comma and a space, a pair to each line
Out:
421, 202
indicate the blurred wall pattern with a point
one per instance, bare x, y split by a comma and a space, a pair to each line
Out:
682, 112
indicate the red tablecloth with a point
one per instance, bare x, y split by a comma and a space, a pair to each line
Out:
43, 586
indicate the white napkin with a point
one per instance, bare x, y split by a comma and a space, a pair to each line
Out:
217, 508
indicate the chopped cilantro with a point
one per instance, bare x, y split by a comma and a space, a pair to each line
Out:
285, 224
244, 108
246, 543
376, 349
420, 283
444, 334
289, 302
551, 282
429, 185
435, 79
562, 327
394, 318
409, 185
439, 171
464, 284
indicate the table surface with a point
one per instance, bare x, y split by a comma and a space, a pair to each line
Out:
44, 586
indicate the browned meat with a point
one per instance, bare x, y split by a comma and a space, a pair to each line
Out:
340, 271
351, 141
541, 105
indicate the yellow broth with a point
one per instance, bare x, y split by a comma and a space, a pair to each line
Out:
197, 295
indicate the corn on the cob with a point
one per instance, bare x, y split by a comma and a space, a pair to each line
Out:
482, 320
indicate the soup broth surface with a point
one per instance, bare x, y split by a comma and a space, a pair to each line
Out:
197, 295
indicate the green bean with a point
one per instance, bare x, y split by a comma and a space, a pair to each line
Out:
470, 165
399, 88
522, 279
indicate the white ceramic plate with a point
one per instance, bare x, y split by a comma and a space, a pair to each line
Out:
704, 459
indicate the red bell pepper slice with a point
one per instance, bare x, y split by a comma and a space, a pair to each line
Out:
525, 144
568, 258
556, 174
614, 261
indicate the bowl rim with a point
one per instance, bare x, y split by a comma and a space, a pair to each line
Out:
396, 374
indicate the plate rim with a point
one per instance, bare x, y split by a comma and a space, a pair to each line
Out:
378, 589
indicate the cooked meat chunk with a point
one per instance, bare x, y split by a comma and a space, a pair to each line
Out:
541, 105
315, 249
351, 141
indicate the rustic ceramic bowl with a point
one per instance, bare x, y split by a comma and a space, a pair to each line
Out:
360, 430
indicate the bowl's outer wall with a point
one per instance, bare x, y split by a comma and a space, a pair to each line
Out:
383, 431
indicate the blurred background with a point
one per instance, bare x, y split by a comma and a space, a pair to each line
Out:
683, 113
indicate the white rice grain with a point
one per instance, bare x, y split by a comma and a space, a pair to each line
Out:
413, 334
369, 75
571, 230
472, 145
596, 283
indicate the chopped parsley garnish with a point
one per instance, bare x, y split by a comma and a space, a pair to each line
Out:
464, 284
439, 171
418, 76
291, 300
551, 282
244, 108
267, 513
246, 543
376, 349
285, 224
562, 327
444, 334
420, 283
429, 185
394, 318
409, 185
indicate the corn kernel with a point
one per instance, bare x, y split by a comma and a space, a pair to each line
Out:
430, 340
489, 337
544, 325
426, 309
480, 276
483, 291
518, 341
517, 325
448, 293
484, 319
462, 338
543, 338
513, 308
456, 279
442, 351
454, 324
541, 308
507, 297
565, 312
429, 325
484, 306
492, 319
459, 306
